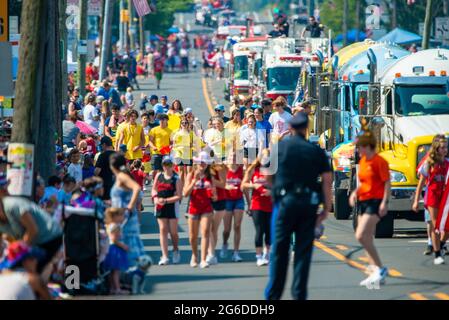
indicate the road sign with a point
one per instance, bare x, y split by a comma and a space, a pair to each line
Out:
442, 28
6, 82
4, 21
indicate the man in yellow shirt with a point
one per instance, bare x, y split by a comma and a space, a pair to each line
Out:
131, 135
160, 142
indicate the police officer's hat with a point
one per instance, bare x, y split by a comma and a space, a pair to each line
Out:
299, 121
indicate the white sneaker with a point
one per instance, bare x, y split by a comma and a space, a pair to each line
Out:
204, 265
236, 257
193, 263
224, 251
266, 256
261, 261
438, 261
212, 260
164, 261
176, 257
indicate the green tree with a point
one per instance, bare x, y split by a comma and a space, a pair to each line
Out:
160, 21
331, 15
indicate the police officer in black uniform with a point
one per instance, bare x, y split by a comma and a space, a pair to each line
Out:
302, 182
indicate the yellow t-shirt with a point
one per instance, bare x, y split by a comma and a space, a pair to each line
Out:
184, 143
131, 137
174, 122
161, 138
232, 131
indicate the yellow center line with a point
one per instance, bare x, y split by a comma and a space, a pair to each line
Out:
441, 296
206, 97
394, 273
339, 256
341, 247
417, 296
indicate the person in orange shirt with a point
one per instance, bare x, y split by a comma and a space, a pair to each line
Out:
372, 197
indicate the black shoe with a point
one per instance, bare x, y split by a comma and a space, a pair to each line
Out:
428, 251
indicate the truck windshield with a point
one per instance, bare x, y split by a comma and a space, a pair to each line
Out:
421, 100
283, 78
241, 68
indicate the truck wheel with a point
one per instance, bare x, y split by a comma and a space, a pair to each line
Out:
341, 204
385, 227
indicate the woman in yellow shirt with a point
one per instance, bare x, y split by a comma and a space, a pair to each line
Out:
174, 116
132, 136
232, 131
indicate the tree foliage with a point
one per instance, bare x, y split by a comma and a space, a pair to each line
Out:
160, 21
331, 14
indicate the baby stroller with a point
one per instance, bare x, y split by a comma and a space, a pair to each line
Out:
82, 249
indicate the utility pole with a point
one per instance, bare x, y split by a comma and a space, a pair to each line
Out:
345, 22
357, 20
122, 25
141, 35
82, 43
36, 89
132, 28
63, 37
106, 43
427, 25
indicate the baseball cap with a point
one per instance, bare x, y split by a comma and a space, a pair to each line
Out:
188, 110
164, 97
154, 97
158, 108
167, 160
106, 141
220, 107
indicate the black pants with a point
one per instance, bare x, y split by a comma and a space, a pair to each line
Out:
291, 215
262, 222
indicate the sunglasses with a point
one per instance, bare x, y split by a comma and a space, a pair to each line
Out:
184, 123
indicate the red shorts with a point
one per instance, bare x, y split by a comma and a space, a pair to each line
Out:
433, 198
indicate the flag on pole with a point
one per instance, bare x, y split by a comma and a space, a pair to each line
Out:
142, 7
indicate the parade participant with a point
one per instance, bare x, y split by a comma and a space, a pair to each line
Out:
247, 106
235, 206
276, 32
154, 100
91, 113
267, 106
129, 96
263, 127
174, 115
75, 168
133, 137
122, 82
252, 141
117, 258
433, 173
296, 195
19, 278
146, 159
233, 127
71, 134
215, 139
164, 103
167, 193
158, 67
111, 124
220, 113
199, 188
372, 196
185, 144
160, 142
313, 27
279, 120
218, 172
261, 205
103, 168
152, 122
125, 194
140, 177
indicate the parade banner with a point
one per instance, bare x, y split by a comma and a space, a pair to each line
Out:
20, 175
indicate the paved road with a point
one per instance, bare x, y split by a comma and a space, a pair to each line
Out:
338, 260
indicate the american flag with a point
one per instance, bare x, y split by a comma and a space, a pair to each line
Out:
142, 7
